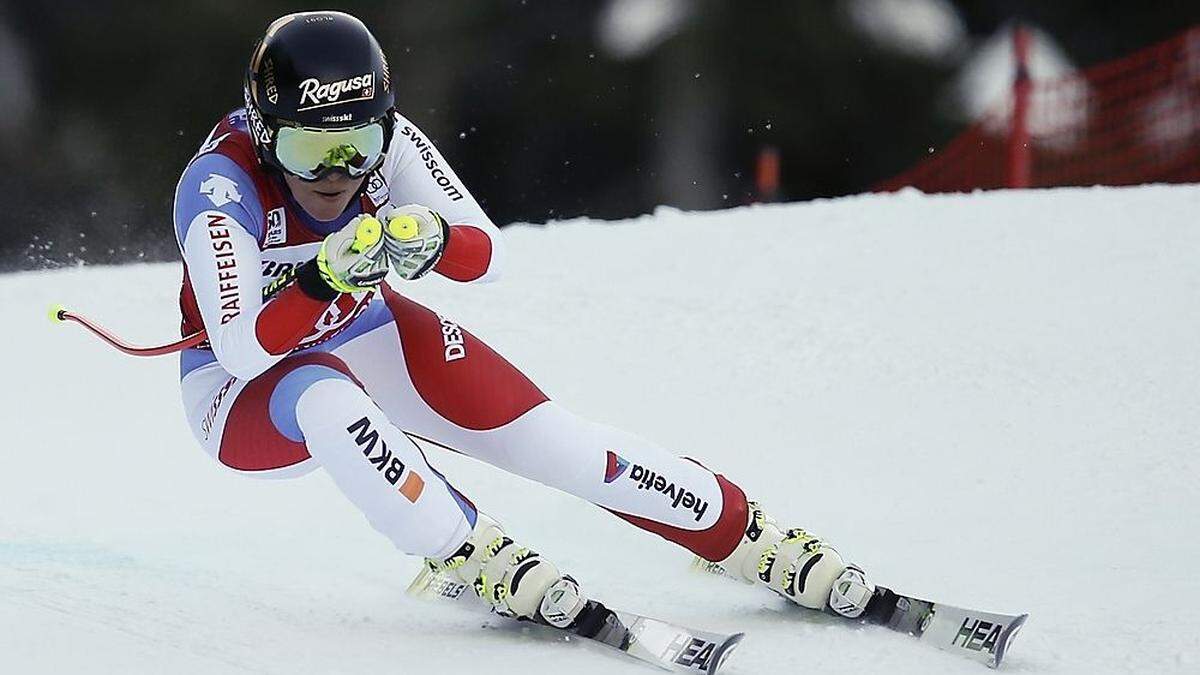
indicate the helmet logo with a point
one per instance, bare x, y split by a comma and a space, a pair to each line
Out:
269, 82
317, 94
257, 126
387, 73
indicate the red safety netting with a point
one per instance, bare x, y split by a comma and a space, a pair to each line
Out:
1128, 121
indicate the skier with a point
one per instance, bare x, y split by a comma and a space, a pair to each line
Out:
289, 217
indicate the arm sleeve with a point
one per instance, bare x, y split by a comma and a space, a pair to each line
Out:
217, 223
474, 251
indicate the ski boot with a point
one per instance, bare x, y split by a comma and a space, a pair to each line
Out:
515, 580
800, 567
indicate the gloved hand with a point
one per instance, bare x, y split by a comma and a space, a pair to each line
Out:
415, 238
353, 259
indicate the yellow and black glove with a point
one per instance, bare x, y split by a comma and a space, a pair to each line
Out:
353, 259
415, 237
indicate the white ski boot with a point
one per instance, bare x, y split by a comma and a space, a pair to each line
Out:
517, 581
798, 566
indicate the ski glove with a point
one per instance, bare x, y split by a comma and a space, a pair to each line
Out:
415, 238
353, 259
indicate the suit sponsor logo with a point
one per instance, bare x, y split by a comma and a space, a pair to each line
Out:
214, 407
273, 269
454, 346
385, 462
317, 94
340, 314
220, 190
425, 151
648, 479
276, 226
616, 467
287, 272
377, 189
217, 226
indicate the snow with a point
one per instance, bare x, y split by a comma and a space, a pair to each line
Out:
985, 399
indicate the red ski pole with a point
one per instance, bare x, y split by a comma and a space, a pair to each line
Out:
60, 314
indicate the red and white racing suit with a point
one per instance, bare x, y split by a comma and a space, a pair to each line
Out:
288, 383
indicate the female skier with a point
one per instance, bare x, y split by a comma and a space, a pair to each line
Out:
289, 217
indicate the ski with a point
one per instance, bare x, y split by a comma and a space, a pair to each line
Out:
974, 634
658, 643
980, 636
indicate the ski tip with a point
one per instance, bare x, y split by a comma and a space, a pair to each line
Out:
422, 582
1006, 639
700, 565
723, 652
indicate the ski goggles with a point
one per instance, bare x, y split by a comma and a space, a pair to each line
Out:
309, 154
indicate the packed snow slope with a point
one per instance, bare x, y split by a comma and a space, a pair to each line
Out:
989, 400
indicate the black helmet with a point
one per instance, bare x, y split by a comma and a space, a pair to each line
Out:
321, 79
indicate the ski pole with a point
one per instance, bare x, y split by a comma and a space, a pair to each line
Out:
60, 314
403, 228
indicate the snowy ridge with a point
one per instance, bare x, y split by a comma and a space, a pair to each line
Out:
987, 399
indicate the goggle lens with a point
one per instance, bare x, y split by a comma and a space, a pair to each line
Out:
310, 153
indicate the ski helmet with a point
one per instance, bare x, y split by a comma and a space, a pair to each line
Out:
319, 96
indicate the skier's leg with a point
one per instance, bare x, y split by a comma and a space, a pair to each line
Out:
311, 410
440, 383
639, 481
680, 500
474, 547
308, 411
